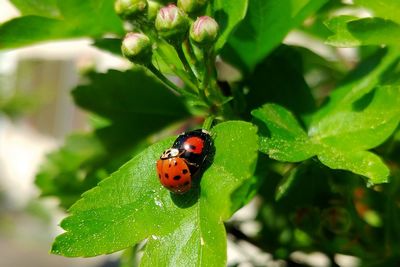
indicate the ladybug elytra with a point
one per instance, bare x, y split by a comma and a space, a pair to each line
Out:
180, 163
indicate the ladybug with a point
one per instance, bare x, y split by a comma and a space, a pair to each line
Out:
180, 163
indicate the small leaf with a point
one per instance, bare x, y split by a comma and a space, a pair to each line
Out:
351, 31
360, 162
281, 136
265, 26
228, 14
131, 205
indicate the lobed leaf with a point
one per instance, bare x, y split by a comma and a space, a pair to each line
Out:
388, 9
351, 31
125, 100
131, 205
45, 8
281, 136
363, 124
265, 26
76, 19
364, 163
228, 14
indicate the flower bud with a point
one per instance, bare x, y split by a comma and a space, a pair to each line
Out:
171, 22
129, 9
153, 9
204, 31
137, 47
192, 6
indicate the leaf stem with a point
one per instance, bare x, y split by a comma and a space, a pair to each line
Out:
165, 80
186, 65
208, 122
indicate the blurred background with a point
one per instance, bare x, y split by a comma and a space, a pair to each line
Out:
37, 113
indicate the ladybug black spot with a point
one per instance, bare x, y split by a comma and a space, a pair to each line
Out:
192, 147
176, 163
186, 183
166, 175
185, 171
169, 165
177, 177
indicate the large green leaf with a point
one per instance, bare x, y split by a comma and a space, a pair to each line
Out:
186, 230
228, 14
126, 99
387, 9
77, 19
358, 83
281, 136
342, 141
45, 8
131, 96
70, 170
278, 76
363, 124
350, 31
364, 163
265, 26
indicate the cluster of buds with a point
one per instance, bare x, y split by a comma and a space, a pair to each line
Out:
171, 22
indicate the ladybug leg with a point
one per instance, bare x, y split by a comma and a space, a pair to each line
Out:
192, 164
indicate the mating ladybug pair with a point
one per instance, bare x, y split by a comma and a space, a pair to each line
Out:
184, 160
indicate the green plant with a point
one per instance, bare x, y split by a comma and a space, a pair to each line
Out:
315, 139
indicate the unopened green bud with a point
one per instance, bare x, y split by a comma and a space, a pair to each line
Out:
153, 9
137, 47
172, 23
192, 6
130, 9
204, 31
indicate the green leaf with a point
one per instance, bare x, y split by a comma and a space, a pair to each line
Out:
132, 97
282, 69
265, 26
66, 172
228, 14
388, 9
77, 19
46, 8
131, 205
350, 31
281, 136
358, 83
363, 124
125, 99
112, 45
360, 162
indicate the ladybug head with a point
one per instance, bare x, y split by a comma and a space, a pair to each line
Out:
170, 153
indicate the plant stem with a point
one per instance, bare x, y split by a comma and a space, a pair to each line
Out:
185, 63
192, 55
165, 80
208, 122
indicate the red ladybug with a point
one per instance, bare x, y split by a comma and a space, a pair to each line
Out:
179, 164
